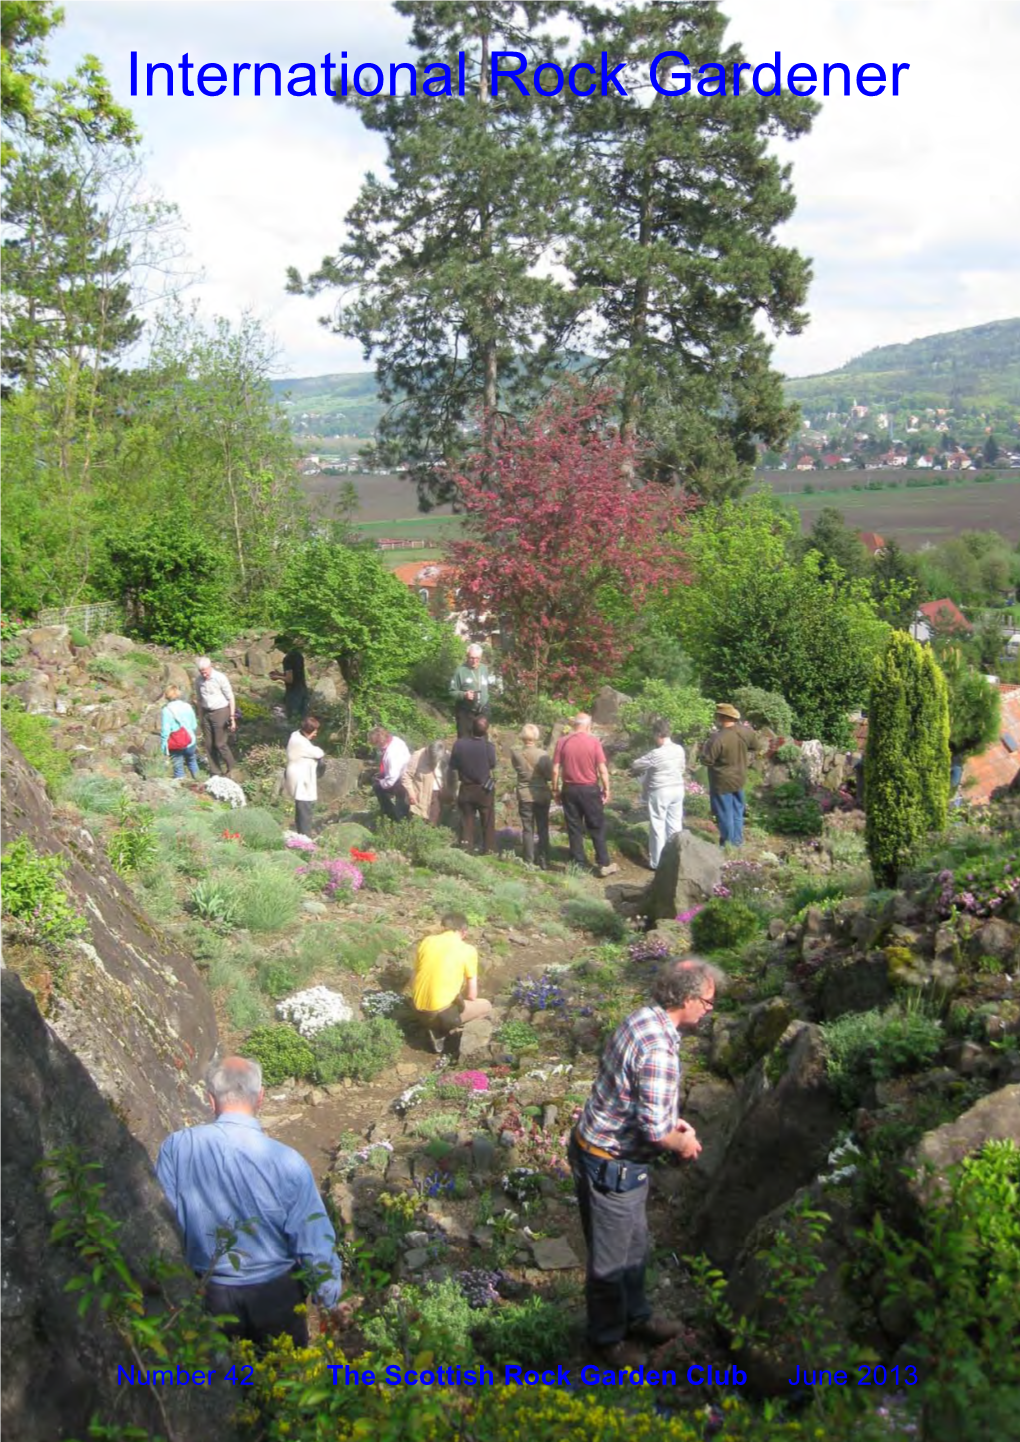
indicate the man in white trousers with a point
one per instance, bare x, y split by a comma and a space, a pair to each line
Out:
662, 787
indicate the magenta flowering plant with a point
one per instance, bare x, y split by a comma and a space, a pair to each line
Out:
337, 876
476, 1080
683, 917
987, 889
296, 842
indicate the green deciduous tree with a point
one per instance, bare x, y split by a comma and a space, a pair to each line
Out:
439, 269
755, 616
339, 602
906, 762
675, 244
175, 582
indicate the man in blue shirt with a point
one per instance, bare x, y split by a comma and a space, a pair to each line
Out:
253, 1221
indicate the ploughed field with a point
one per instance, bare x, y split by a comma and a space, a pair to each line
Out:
914, 515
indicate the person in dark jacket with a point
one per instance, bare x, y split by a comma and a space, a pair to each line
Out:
725, 754
295, 684
533, 768
473, 760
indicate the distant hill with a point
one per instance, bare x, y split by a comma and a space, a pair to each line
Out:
344, 404
960, 370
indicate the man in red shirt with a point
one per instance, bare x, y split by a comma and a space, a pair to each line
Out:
581, 779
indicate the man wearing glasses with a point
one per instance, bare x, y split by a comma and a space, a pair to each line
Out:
631, 1118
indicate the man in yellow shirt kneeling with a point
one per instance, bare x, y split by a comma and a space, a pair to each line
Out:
444, 991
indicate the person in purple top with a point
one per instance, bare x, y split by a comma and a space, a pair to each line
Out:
253, 1222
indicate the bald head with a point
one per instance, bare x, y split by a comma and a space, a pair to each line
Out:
581, 722
235, 1085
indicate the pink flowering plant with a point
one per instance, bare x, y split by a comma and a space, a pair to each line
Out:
475, 1081
336, 879
985, 887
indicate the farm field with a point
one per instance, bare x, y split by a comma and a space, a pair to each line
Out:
914, 515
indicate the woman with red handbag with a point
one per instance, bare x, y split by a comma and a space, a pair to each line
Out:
179, 733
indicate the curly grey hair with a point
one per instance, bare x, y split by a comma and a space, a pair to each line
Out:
677, 982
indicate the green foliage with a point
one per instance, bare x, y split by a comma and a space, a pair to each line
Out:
132, 845
341, 603
960, 1280
518, 1036
414, 838
722, 925
356, 1049
96, 795
258, 829
359, 951
791, 811
688, 712
906, 763
755, 617
449, 862
281, 1052
33, 736
788, 754
338, 838
869, 1046
265, 898
510, 902
174, 579
764, 708
214, 900
400, 713
532, 1333
597, 917
386, 877
975, 706
277, 979
436, 1318
31, 891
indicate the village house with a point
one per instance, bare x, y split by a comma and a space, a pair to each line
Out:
872, 542
939, 618
434, 583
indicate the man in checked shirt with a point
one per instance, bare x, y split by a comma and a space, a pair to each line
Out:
631, 1118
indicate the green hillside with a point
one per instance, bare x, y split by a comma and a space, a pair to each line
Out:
960, 370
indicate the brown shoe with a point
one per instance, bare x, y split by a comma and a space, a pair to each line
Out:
618, 1355
656, 1330
610, 870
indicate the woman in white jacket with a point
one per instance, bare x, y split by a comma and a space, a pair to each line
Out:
303, 757
662, 773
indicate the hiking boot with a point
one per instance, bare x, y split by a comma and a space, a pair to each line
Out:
655, 1330
609, 870
618, 1355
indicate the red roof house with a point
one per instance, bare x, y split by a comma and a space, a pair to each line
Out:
939, 618
871, 541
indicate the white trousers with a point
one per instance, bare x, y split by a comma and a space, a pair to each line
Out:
665, 818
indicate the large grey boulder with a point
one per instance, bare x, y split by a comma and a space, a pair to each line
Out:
340, 778
60, 1369
782, 1130
993, 1118
51, 645
689, 870
126, 1001
110, 644
37, 694
260, 659
607, 708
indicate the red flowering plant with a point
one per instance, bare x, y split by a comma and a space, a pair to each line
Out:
563, 545
362, 857
231, 836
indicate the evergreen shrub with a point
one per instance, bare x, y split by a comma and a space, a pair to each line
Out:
906, 762
722, 925
764, 708
257, 828
597, 917
356, 1049
689, 713
281, 1052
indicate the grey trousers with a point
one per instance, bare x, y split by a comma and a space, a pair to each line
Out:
303, 817
615, 1228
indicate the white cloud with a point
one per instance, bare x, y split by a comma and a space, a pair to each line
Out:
907, 206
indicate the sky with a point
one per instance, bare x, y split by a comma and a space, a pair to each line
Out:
908, 207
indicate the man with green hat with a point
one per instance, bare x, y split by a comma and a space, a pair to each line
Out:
725, 754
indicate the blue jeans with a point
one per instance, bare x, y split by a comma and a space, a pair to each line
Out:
728, 810
178, 758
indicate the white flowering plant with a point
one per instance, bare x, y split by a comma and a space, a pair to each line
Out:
309, 1011
221, 788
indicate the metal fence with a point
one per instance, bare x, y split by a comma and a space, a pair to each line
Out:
92, 617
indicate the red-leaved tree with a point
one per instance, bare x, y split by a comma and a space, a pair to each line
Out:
562, 547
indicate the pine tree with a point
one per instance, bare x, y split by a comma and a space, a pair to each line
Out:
906, 763
681, 203
439, 266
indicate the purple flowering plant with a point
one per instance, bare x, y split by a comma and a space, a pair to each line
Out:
987, 888
338, 877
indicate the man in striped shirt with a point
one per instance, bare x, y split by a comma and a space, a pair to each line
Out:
631, 1118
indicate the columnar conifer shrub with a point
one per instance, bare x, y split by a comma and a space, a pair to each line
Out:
906, 764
